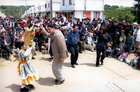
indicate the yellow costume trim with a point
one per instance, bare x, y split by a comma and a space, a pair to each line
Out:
29, 79
18, 68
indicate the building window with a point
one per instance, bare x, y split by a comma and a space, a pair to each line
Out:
45, 5
84, 14
63, 2
48, 5
70, 2
96, 14
39, 7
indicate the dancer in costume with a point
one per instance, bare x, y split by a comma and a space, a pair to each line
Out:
25, 68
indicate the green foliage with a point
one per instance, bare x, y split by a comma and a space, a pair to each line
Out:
119, 13
15, 11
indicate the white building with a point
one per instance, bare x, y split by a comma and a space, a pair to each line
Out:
55, 7
83, 8
70, 8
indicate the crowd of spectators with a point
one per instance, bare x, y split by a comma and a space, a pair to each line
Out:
124, 34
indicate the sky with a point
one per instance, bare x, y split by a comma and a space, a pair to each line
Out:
128, 3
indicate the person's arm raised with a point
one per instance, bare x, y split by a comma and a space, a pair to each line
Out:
44, 31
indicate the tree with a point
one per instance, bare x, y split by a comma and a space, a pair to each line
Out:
136, 10
119, 13
14, 11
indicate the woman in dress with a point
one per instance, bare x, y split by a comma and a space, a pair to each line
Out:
136, 36
26, 71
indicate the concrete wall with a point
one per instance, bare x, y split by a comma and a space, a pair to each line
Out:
101, 15
91, 5
43, 8
95, 5
78, 14
56, 6
66, 6
79, 4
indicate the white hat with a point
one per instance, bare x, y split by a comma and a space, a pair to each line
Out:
135, 23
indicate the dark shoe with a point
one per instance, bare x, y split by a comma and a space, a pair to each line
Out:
56, 80
97, 65
76, 63
33, 58
50, 58
59, 82
7, 58
30, 86
24, 89
11, 52
72, 66
101, 63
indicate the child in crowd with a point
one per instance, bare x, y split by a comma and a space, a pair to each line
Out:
133, 62
124, 55
108, 50
25, 68
116, 52
122, 40
129, 41
89, 41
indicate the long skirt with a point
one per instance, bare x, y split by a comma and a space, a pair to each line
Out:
136, 44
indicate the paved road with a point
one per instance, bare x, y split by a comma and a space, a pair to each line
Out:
113, 76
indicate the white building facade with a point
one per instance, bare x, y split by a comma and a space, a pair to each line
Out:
83, 8
70, 8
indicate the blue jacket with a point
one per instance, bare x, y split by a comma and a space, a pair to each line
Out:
117, 52
72, 37
103, 39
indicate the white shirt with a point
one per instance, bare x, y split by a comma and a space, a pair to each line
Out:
5, 43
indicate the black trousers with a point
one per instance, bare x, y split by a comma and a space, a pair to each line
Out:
40, 45
99, 55
8, 50
80, 46
74, 53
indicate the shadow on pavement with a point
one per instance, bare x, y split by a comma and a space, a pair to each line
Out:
46, 59
89, 64
67, 64
14, 87
46, 81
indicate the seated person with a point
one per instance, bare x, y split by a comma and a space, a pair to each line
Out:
89, 41
133, 62
124, 55
5, 43
108, 50
116, 52
19, 39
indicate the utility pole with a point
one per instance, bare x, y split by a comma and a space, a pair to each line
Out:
26, 7
51, 9
21, 11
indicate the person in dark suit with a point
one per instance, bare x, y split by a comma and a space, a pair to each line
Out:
103, 39
5, 43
